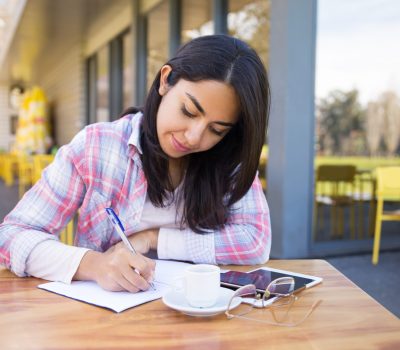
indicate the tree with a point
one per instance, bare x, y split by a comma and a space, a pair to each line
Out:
383, 124
251, 24
373, 127
341, 123
391, 105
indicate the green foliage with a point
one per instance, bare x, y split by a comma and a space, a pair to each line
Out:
251, 23
341, 123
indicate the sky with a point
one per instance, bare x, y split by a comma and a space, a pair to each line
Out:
358, 46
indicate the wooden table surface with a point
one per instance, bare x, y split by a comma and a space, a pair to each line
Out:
347, 318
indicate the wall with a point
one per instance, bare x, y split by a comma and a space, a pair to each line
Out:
5, 137
60, 69
64, 85
70, 32
105, 20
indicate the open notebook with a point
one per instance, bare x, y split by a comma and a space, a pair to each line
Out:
89, 292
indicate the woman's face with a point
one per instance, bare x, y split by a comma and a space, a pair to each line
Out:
194, 116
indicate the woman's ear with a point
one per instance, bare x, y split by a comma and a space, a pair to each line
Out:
164, 86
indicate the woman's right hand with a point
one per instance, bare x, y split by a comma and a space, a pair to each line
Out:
114, 270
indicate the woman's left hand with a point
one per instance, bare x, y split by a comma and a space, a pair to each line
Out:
143, 241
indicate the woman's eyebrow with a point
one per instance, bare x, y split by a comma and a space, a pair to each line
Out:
225, 123
196, 103
201, 110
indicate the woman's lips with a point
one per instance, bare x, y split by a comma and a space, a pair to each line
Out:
178, 146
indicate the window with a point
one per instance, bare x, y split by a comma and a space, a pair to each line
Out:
357, 108
249, 21
196, 19
157, 40
91, 89
110, 80
127, 77
102, 86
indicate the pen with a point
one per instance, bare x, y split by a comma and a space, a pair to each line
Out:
121, 232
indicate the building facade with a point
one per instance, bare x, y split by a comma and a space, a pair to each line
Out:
94, 58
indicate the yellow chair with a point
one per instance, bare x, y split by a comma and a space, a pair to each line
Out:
387, 189
365, 193
67, 235
334, 187
2, 156
40, 161
262, 167
9, 168
25, 174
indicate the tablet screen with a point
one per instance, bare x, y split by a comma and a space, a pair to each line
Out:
260, 278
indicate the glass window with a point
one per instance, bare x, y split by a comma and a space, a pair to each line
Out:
102, 85
249, 21
157, 40
357, 112
127, 70
196, 19
91, 89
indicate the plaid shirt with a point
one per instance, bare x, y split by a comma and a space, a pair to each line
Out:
100, 168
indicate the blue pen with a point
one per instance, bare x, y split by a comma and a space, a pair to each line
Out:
121, 232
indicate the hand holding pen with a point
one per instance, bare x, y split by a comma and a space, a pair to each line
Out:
121, 232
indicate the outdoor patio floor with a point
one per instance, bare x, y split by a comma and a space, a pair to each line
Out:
382, 282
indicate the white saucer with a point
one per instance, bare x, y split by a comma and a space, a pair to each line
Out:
176, 300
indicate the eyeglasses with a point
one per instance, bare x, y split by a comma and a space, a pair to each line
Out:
272, 311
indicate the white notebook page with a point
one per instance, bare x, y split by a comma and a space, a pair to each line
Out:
165, 274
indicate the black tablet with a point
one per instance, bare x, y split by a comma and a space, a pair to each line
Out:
262, 277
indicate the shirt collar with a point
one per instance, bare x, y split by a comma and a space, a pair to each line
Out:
134, 139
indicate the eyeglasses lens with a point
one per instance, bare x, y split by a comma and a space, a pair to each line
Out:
282, 286
248, 294
274, 314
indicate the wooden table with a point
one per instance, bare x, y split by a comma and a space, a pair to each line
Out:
347, 318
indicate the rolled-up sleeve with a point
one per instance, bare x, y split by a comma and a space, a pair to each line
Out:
186, 245
244, 240
46, 208
246, 237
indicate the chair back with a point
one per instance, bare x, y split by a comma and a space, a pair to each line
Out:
40, 161
335, 180
387, 188
9, 167
388, 182
343, 173
25, 173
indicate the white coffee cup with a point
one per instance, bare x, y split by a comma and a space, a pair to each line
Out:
201, 285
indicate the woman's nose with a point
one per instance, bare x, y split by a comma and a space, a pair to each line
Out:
194, 134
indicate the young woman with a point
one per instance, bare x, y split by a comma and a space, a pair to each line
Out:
181, 173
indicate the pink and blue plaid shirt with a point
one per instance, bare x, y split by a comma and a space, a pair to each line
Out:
100, 168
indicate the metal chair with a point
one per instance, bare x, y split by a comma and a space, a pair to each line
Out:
365, 194
9, 167
387, 189
40, 161
25, 174
67, 235
262, 167
335, 188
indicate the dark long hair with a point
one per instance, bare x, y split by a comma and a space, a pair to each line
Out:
217, 178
